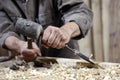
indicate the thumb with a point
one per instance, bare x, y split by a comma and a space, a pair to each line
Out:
37, 50
39, 54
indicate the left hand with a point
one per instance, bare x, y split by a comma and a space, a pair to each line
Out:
28, 54
55, 37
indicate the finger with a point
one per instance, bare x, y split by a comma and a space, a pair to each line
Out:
36, 49
60, 38
56, 41
63, 42
46, 35
52, 37
38, 53
61, 45
45, 45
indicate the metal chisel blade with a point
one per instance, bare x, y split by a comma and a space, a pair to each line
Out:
76, 52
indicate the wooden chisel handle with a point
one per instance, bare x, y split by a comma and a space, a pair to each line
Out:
30, 43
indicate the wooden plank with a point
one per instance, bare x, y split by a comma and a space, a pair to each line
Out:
114, 26
85, 44
106, 22
97, 30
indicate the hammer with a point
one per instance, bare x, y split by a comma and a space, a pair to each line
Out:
28, 28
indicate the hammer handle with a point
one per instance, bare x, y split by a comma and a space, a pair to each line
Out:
30, 43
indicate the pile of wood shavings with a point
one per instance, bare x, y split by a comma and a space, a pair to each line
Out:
61, 72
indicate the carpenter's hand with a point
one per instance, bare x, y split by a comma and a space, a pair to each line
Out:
20, 46
55, 37
28, 54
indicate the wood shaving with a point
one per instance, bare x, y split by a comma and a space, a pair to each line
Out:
62, 72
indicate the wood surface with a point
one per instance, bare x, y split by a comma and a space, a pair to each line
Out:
103, 39
114, 33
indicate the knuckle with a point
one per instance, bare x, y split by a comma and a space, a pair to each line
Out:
56, 30
61, 36
64, 38
49, 27
50, 39
44, 39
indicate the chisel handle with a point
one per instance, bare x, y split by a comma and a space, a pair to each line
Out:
30, 43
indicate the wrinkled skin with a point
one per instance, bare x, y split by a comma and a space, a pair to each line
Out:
20, 47
55, 37
29, 54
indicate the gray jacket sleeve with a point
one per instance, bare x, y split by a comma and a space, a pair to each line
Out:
6, 28
77, 11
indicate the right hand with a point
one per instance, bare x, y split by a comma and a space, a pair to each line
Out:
55, 37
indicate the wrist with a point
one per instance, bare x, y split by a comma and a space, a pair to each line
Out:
19, 45
71, 28
13, 43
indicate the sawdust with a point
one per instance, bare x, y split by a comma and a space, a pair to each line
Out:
62, 72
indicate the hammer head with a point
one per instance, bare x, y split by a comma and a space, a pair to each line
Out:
28, 28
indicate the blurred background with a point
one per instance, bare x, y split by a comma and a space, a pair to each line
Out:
103, 40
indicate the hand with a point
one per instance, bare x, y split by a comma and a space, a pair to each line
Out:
55, 37
20, 47
28, 54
